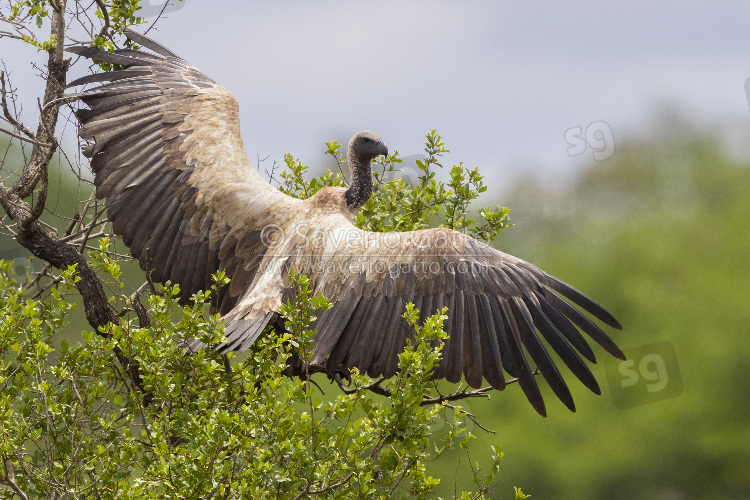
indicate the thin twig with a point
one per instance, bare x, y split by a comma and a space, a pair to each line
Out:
161, 13
472, 417
105, 15
307, 491
10, 479
8, 34
20, 137
6, 109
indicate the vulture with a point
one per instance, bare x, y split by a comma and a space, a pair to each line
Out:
165, 147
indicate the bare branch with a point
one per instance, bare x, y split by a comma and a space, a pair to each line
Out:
105, 15
140, 311
26, 139
472, 417
10, 479
8, 34
35, 170
6, 110
161, 13
441, 399
307, 491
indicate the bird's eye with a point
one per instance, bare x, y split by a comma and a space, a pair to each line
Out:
367, 139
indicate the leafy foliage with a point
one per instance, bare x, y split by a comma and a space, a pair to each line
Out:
396, 205
74, 423
115, 15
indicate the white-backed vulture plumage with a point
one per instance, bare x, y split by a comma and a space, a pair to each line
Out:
165, 147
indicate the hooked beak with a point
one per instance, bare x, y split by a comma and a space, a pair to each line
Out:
382, 148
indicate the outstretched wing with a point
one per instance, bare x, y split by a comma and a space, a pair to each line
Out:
165, 147
497, 306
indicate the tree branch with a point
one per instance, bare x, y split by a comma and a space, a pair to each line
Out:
42, 153
6, 110
31, 233
10, 479
441, 399
25, 139
105, 15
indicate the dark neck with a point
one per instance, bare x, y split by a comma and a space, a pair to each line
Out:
360, 188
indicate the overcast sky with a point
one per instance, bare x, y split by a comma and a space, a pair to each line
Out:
501, 81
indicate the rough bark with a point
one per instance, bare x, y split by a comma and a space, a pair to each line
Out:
34, 180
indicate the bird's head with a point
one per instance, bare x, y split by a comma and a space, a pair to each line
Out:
367, 145
363, 148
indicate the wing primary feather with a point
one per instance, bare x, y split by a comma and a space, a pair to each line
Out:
526, 376
175, 251
201, 277
165, 210
194, 280
419, 304
508, 362
396, 346
190, 259
114, 134
149, 44
539, 354
165, 247
181, 263
361, 352
341, 348
241, 333
109, 117
491, 362
138, 220
119, 176
392, 325
138, 54
448, 328
129, 200
113, 106
566, 328
583, 300
110, 57
336, 320
252, 335
584, 323
122, 155
158, 237
426, 309
561, 347
111, 76
472, 361
374, 333
453, 353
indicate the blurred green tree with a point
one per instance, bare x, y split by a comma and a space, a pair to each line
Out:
659, 232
